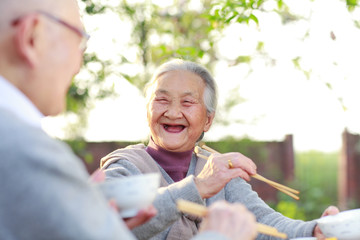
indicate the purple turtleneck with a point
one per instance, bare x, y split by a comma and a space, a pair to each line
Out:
176, 164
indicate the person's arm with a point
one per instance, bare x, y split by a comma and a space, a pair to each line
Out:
218, 174
237, 190
165, 201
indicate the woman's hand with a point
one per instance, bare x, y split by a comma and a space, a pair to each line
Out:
332, 210
232, 220
217, 172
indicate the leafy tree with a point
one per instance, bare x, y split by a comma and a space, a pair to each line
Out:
160, 33
179, 30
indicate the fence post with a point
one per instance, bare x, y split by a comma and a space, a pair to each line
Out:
288, 161
349, 168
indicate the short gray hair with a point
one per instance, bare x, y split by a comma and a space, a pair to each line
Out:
210, 92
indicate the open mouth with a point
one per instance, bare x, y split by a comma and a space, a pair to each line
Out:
173, 128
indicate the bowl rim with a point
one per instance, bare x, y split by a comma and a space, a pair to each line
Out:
143, 176
338, 218
302, 238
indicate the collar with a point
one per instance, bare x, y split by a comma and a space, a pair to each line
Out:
176, 164
13, 100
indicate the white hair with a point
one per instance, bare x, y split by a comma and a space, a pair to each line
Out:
210, 92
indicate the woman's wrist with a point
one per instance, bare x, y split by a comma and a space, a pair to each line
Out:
200, 186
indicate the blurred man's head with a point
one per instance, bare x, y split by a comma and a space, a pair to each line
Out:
41, 46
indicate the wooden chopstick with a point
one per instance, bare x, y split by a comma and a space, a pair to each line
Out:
289, 191
274, 184
201, 211
209, 149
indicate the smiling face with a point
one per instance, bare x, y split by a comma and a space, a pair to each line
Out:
176, 112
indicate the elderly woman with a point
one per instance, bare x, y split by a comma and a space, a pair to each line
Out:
181, 104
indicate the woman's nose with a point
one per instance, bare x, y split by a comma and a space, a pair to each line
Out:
173, 111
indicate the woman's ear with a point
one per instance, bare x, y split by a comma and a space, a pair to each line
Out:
209, 120
27, 31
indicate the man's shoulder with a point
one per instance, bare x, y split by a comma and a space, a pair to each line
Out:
11, 125
24, 142
21, 135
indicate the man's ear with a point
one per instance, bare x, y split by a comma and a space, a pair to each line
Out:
25, 39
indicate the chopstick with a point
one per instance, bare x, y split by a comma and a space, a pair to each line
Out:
201, 211
288, 191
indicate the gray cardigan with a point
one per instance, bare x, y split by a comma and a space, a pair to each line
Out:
118, 164
45, 191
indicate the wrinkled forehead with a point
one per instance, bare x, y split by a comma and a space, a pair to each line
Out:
179, 81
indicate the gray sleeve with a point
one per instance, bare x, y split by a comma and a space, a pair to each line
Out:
165, 201
237, 190
48, 196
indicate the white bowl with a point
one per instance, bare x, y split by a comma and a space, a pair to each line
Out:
344, 225
132, 193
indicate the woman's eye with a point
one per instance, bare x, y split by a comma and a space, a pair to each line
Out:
188, 102
161, 100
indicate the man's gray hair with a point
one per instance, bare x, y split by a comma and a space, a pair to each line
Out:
210, 92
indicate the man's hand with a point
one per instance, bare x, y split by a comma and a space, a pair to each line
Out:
98, 176
231, 220
141, 217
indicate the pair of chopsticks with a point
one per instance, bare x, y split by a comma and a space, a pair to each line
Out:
201, 211
289, 191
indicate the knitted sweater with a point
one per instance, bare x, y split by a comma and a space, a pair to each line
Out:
135, 160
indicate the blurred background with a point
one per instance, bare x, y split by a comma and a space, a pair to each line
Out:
288, 81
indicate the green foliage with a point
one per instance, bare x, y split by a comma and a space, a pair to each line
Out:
316, 177
226, 11
93, 8
290, 209
180, 32
351, 4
